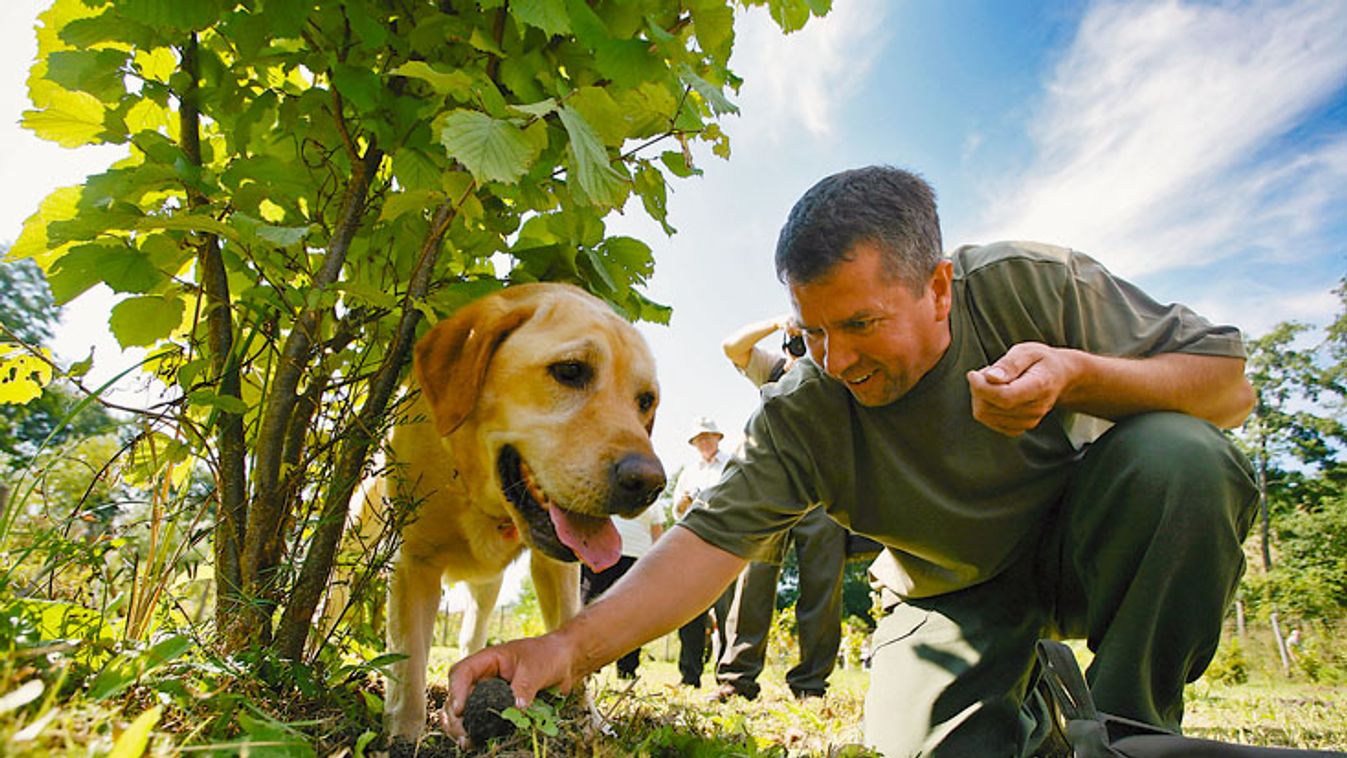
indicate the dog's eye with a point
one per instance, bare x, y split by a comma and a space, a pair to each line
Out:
571, 373
645, 401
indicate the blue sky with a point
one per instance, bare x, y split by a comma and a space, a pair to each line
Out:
1199, 149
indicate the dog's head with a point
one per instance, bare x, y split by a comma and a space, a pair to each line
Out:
556, 395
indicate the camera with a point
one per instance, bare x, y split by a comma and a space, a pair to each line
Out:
793, 344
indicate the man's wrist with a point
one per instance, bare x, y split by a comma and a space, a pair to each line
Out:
580, 649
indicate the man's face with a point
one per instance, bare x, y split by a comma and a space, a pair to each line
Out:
867, 330
707, 444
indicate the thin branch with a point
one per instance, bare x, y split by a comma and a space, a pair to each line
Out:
296, 620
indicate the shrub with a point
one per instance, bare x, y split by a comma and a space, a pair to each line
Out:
1229, 665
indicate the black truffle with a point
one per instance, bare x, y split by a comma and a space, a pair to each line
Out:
481, 714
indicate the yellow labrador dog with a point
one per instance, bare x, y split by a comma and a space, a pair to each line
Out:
535, 415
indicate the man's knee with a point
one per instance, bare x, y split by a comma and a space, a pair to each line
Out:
1177, 451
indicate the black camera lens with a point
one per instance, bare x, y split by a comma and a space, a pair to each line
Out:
793, 344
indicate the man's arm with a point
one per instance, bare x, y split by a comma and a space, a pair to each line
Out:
678, 579
1014, 394
738, 347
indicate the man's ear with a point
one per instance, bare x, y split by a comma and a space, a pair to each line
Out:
942, 288
450, 361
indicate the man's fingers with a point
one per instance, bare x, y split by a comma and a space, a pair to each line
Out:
466, 673
1004, 396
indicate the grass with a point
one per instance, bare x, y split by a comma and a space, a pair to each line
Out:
1265, 710
196, 706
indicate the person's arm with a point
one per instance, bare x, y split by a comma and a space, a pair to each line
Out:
678, 579
738, 347
1014, 394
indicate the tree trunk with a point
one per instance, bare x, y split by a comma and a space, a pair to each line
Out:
262, 546
1281, 645
296, 621
231, 487
1264, 511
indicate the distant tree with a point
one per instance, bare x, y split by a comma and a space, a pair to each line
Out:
1295, 437
856, 600
28, 313
27, 310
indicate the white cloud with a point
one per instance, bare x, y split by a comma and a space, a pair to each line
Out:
1157, 141
805, 77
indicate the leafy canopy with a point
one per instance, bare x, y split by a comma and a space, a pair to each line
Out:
308, 181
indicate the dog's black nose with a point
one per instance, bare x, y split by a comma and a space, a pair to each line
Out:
637, 481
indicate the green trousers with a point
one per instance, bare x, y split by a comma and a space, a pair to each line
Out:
821, 550
1141, 558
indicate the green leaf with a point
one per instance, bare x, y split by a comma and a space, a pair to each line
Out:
189, 223
600, 181
226, 403
628, 62
136, 738
588, 27
97, 72
539, 109
453, 83
713, 23
713, 95
602, 112
367, 737
650, 185
174, 14
548, 15
61, 205
398, 203
158, 64
123, 268
678, 163
415, 170
492, 149
282, 236
596, 262
516, 717
368, 294
360, 86
71, 119
792, 15
143, 321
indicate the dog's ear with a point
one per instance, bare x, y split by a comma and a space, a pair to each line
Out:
450, 361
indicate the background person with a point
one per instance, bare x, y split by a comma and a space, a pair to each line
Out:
638, 536
935, 415
820, 550
701, 474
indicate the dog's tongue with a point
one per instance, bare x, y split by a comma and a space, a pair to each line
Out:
593, 540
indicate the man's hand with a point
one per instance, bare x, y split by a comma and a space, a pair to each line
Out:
1013, 395
529, 665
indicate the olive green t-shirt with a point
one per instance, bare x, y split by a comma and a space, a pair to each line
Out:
953, 501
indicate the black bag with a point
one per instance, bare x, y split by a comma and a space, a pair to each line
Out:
1081, 731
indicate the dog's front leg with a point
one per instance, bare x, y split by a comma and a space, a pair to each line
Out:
413, 599
558, 586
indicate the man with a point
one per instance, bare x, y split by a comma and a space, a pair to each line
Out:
935, 415
820, 550
638, 536
702, 474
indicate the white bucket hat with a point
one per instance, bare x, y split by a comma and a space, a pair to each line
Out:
703, 425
